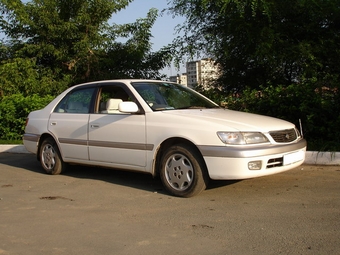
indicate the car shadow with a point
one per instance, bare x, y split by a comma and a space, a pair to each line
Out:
136, 180
21, 160
131, 179
215, 184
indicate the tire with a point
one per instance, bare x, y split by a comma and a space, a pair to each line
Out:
50, 157
183, 172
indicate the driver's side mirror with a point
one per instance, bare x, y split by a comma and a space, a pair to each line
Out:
128, 107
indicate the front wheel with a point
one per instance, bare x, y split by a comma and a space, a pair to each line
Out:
183, 172
50, 157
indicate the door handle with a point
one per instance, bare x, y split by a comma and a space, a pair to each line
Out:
53, 123
95, 126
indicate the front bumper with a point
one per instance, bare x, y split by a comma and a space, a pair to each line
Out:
231, 163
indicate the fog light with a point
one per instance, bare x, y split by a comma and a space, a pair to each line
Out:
255, 165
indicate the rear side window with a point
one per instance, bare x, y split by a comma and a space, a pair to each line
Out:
77, 101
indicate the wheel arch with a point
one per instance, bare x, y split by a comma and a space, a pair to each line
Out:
41, 139
168, 143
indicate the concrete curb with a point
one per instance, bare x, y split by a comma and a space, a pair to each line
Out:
322, 158
9, 148
312, 157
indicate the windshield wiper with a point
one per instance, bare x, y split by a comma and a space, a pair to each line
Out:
161, 108
191, 107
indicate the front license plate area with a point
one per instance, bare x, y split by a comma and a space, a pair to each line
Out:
293, 157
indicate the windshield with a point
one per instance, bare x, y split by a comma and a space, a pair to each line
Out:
169, 96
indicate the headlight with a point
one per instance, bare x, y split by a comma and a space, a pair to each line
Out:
242, 138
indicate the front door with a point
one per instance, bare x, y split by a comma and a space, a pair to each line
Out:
116, 138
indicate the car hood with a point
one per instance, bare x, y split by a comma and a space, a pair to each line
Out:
229, 119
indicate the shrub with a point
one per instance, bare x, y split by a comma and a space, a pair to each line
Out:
14, 110
318, 108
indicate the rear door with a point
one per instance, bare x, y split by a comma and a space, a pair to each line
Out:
69, 123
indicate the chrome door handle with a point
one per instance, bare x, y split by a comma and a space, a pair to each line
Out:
94, 126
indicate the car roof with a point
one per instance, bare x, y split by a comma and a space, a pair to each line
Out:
120, 80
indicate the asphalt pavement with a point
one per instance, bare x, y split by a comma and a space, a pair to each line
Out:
90, 211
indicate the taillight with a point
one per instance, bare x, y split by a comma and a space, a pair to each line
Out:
26, 121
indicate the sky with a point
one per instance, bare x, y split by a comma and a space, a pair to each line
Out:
163, 30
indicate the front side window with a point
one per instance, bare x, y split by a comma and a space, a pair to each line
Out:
77, 101
170, 96
110, 96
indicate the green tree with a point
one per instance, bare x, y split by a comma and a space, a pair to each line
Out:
133, 58
59, 42
257, 42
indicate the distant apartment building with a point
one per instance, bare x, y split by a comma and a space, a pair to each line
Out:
201, 72
180, 79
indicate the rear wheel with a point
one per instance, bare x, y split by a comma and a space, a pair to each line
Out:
50, 157
183, 172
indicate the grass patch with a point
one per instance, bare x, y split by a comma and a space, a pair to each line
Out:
11, 142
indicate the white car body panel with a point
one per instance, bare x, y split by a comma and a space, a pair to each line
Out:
227, 120
117, 139
71, 131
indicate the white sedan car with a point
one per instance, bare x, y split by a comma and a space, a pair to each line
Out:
160, 128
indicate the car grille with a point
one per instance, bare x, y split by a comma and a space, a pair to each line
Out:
284, 136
